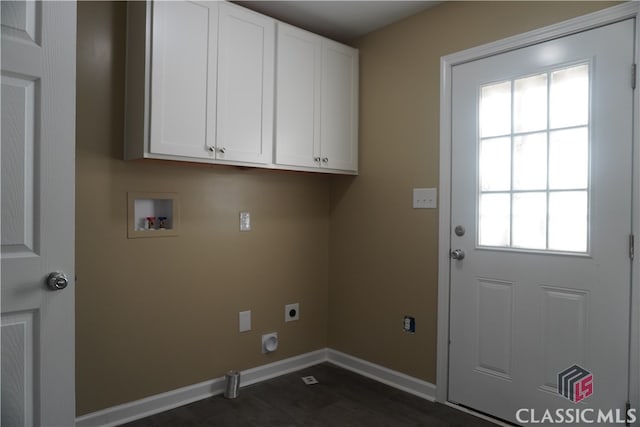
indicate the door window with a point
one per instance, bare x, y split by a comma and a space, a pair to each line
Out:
533, 172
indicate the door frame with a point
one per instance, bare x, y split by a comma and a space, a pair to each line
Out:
572, 26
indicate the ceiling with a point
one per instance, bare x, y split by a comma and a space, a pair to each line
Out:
339, 20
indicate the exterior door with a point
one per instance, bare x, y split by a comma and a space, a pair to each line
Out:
38, 164
541, 219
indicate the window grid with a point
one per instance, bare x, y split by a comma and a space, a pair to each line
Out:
513, 135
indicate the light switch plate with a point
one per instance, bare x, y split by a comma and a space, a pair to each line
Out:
245, 221
244, 320
425, 198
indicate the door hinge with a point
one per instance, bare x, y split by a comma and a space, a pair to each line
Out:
627, 409
632, 247
633, 76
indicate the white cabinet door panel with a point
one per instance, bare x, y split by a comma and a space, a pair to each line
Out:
339, 132
245, 86
183, 78
298, 82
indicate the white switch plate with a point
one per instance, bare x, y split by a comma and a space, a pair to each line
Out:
244, 320
425, 198
245, 221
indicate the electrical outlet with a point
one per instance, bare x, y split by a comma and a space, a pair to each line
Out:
291, 312
425, 198
409, 324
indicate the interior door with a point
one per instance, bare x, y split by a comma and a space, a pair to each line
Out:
541, 218
38, 155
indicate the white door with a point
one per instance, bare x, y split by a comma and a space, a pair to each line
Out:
183, 78
38, 164
541, 190
246, 61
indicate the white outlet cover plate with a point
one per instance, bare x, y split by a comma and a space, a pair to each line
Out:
425, 198
244, 320
287, 312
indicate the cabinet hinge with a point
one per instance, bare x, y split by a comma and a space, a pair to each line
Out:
632, 246
627, 408
633, 76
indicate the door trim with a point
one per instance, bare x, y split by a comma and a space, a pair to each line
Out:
579, 24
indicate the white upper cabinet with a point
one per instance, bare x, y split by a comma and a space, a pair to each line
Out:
245, 85
201, 86
200, 82
316, 102
183, 78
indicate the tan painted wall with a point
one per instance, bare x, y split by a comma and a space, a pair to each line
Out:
383, 253
157, 314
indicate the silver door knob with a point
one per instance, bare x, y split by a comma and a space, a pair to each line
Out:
211, 149
325, 160
316, 159
57, 281
222, 150
457, 254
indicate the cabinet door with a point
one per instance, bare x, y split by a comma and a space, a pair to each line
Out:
183, 78
339, 121
298, 79
245, 85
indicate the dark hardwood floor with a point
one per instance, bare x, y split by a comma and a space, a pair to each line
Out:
342, 399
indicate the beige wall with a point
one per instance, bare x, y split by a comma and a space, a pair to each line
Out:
157, 314
383, 253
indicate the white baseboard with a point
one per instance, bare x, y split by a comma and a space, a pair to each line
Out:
131, 411
395, 379
137, 409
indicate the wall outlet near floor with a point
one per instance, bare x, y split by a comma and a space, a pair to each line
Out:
269, 342
409, 324
291, 312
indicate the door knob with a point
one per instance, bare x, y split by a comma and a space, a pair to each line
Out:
57, 281
222, 150
457, 254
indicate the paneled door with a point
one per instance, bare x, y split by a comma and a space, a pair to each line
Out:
540, 225
38, 164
